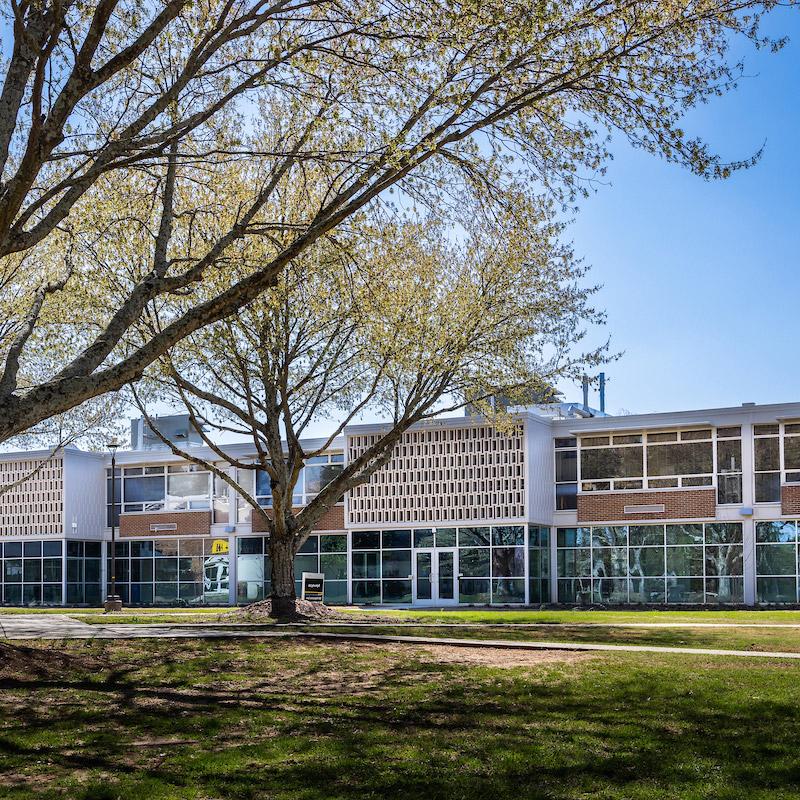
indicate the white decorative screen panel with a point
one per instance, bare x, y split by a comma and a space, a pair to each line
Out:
443, 474
34, 506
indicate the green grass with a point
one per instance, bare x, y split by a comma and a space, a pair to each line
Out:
574, 616
753, 638
298, 720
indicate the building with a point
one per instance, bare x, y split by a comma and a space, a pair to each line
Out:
572, 506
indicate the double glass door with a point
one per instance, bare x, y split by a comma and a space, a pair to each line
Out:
435, 576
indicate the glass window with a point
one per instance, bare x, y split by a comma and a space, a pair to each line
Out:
336, 543
729, 489
565, 441
767, 454
685, 590
776, 590
508, 562
722, 532
566, 466
366, 540
167, 569
474, 562
791, 452
396, 563
366, 591
445, 537
471, 590
473, 537
566, 496
333, 566
775, 532
507, 590
609, 562
768, 487
612, 462
423, 538
684, 560
366, 565
724, 560
396, 591
574, 563
684, 534
396, 539
144, 489
32, 549
646, 561
729, 455
318, 476
642, 535
573, 537
680, 459
51, 548
776, 559
187, 491
609, 536
508, 535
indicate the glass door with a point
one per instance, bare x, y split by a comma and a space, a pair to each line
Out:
445, 584
423, 576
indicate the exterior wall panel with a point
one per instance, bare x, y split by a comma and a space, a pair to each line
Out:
333, 520
187, 523
678, 504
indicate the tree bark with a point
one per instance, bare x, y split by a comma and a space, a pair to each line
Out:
282, 595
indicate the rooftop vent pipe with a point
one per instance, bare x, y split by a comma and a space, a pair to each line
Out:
602, 392
586, 392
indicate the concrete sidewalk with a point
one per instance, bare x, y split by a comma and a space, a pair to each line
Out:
45, 626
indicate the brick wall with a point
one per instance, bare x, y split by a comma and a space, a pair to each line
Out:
678, 504
333, 520
189, 523
790, 499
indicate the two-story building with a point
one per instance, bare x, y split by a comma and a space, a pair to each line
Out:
571, 506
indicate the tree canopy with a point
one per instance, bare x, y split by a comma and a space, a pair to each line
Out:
126, 127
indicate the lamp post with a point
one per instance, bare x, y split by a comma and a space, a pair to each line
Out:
113, 600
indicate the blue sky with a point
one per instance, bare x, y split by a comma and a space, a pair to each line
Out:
700, 279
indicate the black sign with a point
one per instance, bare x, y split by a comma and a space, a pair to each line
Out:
313, 587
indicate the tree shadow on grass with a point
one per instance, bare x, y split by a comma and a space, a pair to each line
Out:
629, 726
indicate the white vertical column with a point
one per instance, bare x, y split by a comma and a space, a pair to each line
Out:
748, 525
232, 563
553, 566
527, 542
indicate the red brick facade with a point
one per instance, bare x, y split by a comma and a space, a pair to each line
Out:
698, 503
188, 523
790, 499
333, 520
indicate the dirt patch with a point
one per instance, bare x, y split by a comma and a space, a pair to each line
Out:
305, 611
499, 657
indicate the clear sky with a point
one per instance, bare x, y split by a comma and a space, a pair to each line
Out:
701, 280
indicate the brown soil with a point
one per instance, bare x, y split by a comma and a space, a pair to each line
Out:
498, 657
305, 611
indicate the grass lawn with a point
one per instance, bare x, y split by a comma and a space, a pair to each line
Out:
95, 720
746, 638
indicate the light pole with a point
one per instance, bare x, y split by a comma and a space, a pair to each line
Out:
113, 600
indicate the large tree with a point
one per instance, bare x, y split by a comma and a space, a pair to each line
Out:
406, 323
120, 122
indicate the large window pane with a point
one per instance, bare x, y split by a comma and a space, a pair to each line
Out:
144, 489
646, 590
396, 539
188, 491
508, 590
724, 560
366, 565
723, 532
574, 563
775, 532
609, 562
474, 537
724, 590
396, 563
685, 458
791, 452
573, 537
776, 590
685, 590
610, 591
508, 562
729, 489
646, 561
333, 566
566, 496
366, 591
729, 455
768, 487
318, 476
473, 591
396, 591
684, 561
684, 534
566, 466
474, 562
609, 536
767, 453
776, 559
508, 535
646, 535
612, 462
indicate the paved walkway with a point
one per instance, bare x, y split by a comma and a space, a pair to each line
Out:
58, 626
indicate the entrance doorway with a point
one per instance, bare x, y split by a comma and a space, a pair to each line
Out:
435, 573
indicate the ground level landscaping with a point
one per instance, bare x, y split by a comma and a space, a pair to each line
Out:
302, 719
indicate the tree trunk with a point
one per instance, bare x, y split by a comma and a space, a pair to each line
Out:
283, 595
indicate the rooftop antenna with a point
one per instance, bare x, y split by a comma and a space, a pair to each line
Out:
602, 392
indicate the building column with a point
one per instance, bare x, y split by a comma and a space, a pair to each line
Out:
553, 577
749, 568
232, 564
